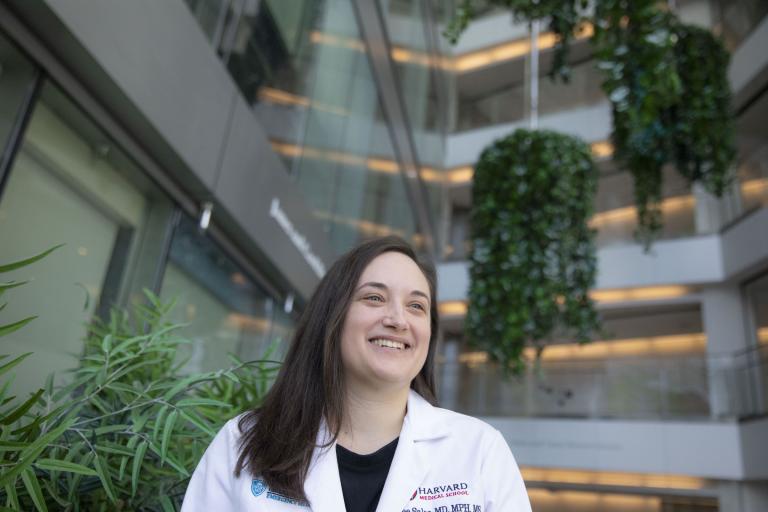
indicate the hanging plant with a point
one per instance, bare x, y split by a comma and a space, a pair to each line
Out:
634, 46
564, 19
704, 147
533, 260
667, 86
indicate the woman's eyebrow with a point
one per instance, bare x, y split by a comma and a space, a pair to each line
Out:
373, 284
382, 286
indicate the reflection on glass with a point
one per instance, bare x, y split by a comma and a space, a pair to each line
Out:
304, 68
225, 311
70, 185
16, 76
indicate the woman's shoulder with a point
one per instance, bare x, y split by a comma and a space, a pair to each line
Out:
439, 419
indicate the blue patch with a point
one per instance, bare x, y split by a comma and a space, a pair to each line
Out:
258, 487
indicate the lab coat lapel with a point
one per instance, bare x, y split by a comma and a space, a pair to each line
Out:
410, 464
323, 485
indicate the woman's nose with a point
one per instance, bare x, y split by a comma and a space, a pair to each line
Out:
395, 318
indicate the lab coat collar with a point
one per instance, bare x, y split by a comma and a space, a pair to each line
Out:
409, 466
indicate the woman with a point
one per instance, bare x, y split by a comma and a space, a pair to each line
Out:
349, 423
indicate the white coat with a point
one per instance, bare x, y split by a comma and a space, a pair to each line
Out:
444, 462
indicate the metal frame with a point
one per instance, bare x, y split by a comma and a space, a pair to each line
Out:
16, 135
374, 35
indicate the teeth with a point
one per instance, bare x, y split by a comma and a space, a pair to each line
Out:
388, 343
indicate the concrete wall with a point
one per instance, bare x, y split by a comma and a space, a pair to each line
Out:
150, 64
728, 451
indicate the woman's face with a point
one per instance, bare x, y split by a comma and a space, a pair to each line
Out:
385, 337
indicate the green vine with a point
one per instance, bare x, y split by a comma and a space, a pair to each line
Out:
667, 85
533, 260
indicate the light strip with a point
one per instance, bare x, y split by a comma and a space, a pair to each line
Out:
460, 63
366, 227
452, 308
285, 98
586, 500
752, 189
762, 335
605, 296
581, 477
602, 296
669, 206
596, 350
464, 174
457, 175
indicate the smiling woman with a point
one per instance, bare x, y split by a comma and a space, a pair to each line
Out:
351, 422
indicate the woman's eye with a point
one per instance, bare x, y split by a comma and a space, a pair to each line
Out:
419, 306
374, 298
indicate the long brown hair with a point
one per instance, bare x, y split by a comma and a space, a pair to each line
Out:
279, 437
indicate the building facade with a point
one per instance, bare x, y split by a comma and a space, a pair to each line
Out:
223, 152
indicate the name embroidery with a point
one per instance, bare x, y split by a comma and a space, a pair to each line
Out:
258, 486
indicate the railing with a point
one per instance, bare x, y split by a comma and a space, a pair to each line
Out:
671, 387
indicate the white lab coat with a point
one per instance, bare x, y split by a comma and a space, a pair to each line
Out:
444, 462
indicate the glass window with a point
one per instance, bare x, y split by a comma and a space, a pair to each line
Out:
615, 215
224, 310
16, 77
70, 184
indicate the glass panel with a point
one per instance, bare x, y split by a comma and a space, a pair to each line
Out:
226, 312
16, 76
615, 215
211, 15
509, 103
417, 55
70, 184
752, 159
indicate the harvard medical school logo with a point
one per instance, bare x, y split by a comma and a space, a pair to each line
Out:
441, 491
258, 486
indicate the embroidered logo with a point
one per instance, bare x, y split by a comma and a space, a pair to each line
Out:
258, 487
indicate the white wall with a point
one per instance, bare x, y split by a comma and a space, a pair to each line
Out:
729, 451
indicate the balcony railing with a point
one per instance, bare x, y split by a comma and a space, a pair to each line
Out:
671, 387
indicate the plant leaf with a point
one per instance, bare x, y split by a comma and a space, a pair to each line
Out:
22, 409
60, 465
7, 366
102, 468
28, 456
12, 284
170, 422
167, 504
23, 263
13, 498
138, 458
15, 326
33, 488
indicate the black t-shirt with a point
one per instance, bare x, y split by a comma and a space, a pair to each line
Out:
363, 476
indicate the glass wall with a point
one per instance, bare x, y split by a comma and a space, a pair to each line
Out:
16, 79
305, 71
510, 103
224, 310
70, 184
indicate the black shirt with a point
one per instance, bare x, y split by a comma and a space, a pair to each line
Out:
363, 476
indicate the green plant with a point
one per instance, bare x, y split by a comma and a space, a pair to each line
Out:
130, 426
564, 18
667, 85
533, 260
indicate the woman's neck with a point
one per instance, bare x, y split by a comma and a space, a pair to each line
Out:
372, 419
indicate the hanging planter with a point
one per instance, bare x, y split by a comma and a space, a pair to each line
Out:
533, 260
667, 85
